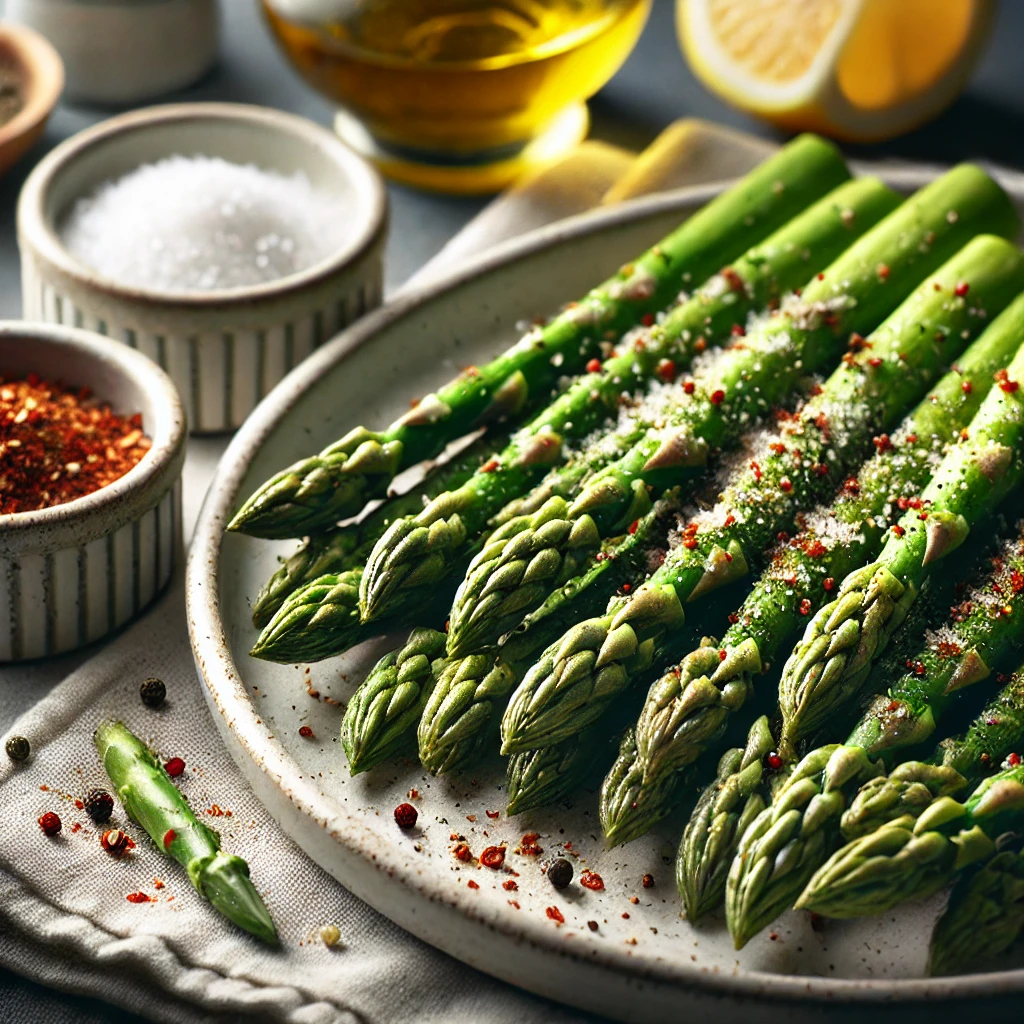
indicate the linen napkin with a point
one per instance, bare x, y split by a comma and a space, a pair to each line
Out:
65, 919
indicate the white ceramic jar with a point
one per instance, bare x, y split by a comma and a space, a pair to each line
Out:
125, 51
72, 573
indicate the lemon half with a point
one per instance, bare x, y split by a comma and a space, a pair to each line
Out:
861, 70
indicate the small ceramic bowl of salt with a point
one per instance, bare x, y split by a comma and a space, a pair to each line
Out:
225, 242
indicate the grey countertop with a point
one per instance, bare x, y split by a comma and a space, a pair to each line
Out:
651, 90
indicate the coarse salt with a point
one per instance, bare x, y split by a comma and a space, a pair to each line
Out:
199, 224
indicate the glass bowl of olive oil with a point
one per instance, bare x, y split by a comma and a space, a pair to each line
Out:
458, 95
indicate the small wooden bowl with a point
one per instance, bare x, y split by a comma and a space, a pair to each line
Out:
42, 74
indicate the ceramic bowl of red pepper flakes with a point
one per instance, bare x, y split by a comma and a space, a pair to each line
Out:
92, 442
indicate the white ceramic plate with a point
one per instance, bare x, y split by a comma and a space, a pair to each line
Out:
642, 962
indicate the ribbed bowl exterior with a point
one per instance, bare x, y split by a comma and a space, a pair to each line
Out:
56, 601
221, 373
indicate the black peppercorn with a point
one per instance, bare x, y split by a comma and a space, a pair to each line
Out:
18, 748
153, 692
99, 805
559, 873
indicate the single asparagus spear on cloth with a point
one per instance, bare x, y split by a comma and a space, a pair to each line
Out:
687, 709
153, 802
761, 369
800, 464
335, 484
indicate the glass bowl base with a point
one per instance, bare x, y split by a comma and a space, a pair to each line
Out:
471, 174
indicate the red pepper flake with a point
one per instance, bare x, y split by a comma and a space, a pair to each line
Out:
785, 484
50, 823
874, 362
305, 732
555, 915
114, 841
139, 897
169, 836
898, 530
528, 846
594, 366
777, 448
722, 654
949, 649
463, 852
717, 396
59, 444
214, 811
489, 466
592, 880
829, 584
883, 271
1017, 581
472, 885
413, 794
1009, 386
883, 443
966, 387
852, 485
689, 386
174, 767
633, 525
733, 618
510, 886
738, 331
756, 470
158, 884
626, 587
666, 371
406, 815
625, 915
493, 857
634, 900
492, 814
80, 805
733, 279
1013, 760
647, 881
805, 606
774, 761
647, 319
814, 548
961, 289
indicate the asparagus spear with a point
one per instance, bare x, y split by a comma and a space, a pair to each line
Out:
985, 915
768, 365
379, 718
572, 682
317, 491
958, 761
787, 842
419, 549
688, 707
154, 803
912, 859
831, 662
462, 714
320, 618
348, 547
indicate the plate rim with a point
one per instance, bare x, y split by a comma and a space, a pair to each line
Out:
238, 719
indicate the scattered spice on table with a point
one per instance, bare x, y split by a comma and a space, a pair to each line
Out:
18, 748
115, 842
99, 805
592, 880
647, 881
153, 692
58, 443
139, 897
493, 857
50, 823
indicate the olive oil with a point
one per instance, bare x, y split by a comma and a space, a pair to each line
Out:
458, 94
